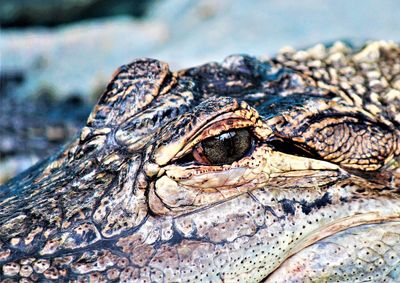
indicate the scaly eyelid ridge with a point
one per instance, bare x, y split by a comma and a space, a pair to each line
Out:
239, 118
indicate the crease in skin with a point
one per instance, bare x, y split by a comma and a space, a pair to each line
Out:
342, 224
354, 254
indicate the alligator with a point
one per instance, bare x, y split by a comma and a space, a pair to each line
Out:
282, 169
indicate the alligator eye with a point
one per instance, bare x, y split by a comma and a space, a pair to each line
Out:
224, 148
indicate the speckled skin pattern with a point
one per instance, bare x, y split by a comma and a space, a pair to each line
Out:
316, 199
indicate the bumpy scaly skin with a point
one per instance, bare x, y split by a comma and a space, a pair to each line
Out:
317, 197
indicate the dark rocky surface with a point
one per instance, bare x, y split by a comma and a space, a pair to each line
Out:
33, 128
25, 13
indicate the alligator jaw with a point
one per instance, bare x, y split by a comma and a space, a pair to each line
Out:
366, 250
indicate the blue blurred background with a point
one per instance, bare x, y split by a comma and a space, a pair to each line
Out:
57, 55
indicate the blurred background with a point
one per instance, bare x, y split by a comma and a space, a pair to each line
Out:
56, 56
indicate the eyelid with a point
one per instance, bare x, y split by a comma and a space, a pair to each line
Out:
214, 129
177, 146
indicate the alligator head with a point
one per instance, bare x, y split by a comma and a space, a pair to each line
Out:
246, 171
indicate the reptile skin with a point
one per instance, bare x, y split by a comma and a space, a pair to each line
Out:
304, 189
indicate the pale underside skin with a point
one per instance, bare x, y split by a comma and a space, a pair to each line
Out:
361, 253
135, 198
